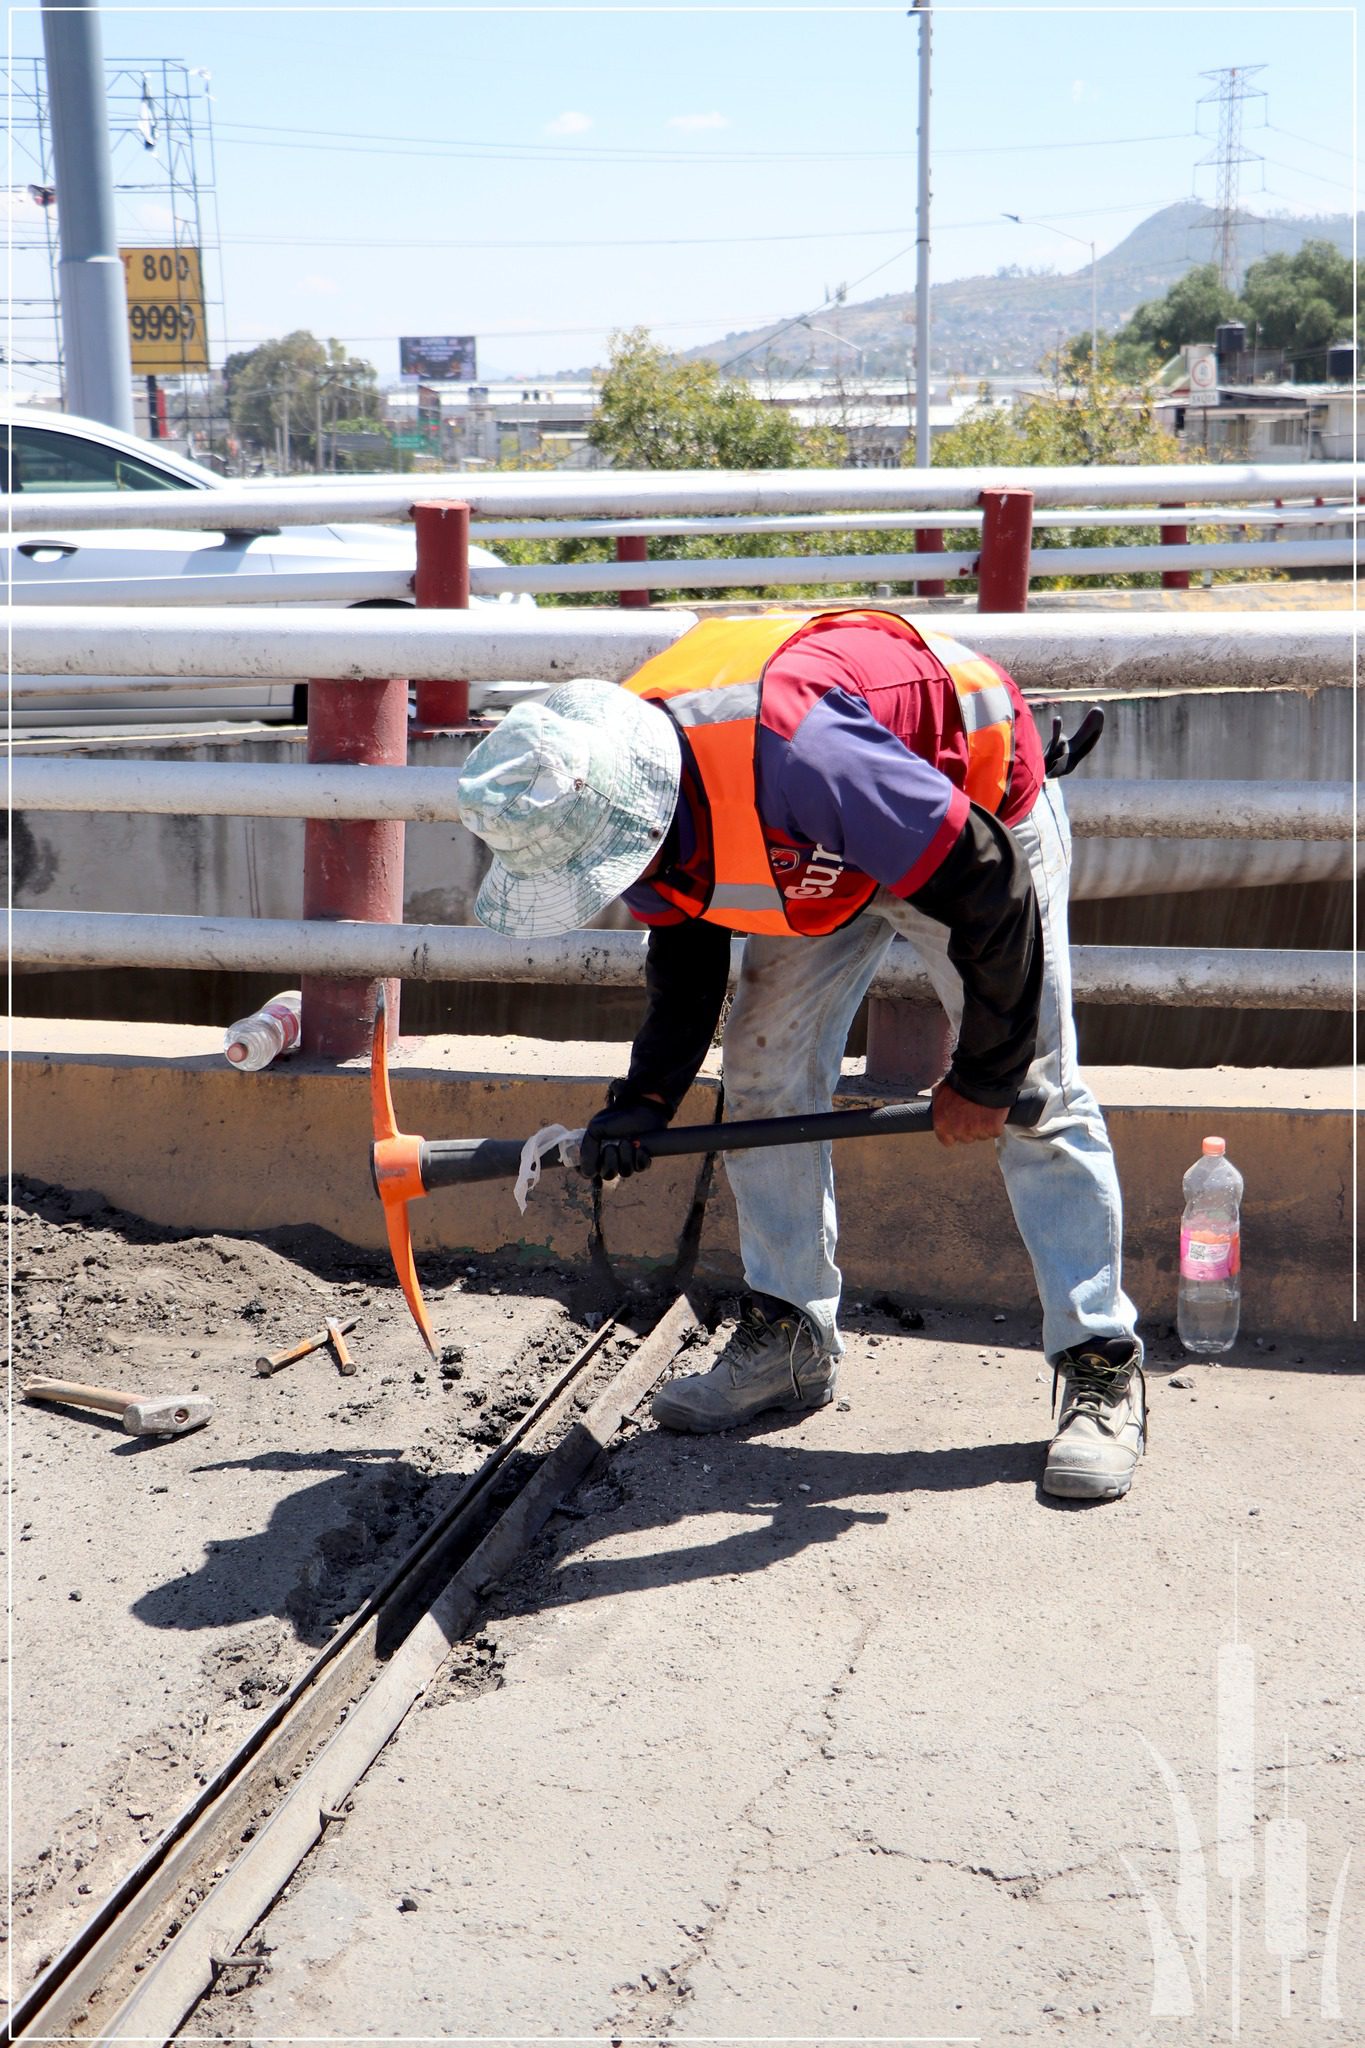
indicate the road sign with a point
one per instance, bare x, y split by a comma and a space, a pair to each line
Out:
446, 358
165, 311
1203, 374
414, 443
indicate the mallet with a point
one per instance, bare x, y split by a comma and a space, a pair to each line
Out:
404, 1168
140, 1414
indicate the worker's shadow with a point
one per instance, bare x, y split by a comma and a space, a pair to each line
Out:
793, 1495
324, 1548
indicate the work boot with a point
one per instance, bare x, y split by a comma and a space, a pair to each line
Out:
1102, 1427
775, 1359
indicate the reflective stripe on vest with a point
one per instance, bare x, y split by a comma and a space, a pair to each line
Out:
710, 681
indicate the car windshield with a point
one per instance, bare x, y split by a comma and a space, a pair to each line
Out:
39, 459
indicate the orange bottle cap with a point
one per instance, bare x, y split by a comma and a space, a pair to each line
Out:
1216, 1146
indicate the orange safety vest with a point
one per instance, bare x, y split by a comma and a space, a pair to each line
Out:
711, 682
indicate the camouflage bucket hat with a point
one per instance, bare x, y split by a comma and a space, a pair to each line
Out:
574, 796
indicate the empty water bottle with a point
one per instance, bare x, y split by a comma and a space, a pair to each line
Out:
265, 1034
1211, 1252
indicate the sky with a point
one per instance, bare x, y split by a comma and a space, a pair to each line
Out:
540, 177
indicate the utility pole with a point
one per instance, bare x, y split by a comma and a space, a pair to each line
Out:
99, 377
922, 453
1230, 92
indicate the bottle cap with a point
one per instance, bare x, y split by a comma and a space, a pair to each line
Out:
1216, 1146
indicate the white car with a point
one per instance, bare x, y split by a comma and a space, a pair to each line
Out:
54, 452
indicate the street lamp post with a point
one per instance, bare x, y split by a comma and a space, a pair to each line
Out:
1020, 222
834, 335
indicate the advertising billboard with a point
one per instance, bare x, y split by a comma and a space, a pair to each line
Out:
442, 358
165, 292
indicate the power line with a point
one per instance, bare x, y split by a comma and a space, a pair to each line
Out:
646, 241
261, 135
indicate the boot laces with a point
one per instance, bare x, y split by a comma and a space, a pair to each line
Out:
752, 1332
1095, 1384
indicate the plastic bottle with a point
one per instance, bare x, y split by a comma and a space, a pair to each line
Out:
1211, 1253
258, 1039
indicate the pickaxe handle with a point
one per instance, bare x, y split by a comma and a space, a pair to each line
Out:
405, 1167
453, 1162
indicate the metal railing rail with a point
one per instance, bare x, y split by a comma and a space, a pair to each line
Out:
648, 493
735, 572
1193, 977
352, 929
1045, 652
1098, 807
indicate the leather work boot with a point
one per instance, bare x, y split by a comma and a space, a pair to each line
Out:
1102, 1427
773, 1360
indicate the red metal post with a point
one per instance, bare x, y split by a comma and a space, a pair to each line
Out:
929, 541
352, 869
1174, 537
1006, 538
632, 547
442, 582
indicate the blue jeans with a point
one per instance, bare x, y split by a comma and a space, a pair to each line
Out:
784, 1045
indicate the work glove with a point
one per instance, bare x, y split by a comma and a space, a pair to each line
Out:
614, 1144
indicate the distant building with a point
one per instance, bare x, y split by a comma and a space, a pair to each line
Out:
1227, 403
482, 424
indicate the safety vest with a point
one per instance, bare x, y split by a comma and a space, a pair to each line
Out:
711, 682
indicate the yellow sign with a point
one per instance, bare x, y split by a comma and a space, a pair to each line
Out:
165, 310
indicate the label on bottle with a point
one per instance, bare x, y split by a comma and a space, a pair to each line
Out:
1210, 1254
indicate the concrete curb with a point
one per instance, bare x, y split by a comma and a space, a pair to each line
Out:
152, 1118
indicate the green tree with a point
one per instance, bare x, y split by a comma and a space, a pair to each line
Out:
661, 411
286, 387
1190, 311
1081, 420
1301, 303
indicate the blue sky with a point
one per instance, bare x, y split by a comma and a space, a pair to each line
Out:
729, 164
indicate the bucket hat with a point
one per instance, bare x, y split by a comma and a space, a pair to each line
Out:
574, 796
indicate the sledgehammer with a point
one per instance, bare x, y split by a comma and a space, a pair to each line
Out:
404, 1168
141, 1415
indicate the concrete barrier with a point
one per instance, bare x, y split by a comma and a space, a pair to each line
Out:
154, 1120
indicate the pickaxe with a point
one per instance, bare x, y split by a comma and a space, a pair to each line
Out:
404, 1168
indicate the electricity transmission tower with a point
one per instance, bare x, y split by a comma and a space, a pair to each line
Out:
1230, 92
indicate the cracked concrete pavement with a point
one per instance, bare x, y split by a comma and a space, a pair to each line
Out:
838, 1728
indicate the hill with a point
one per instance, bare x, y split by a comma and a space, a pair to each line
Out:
1009, 321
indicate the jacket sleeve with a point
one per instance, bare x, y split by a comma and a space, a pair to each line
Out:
983, 892
687, 969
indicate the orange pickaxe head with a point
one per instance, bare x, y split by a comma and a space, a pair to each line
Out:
396, 1164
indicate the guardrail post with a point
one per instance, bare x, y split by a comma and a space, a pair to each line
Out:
909, 1044
1002, 567
929, 541
632, 547
352, 868
442, 583
1174, 537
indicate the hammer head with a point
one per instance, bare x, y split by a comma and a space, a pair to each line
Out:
167, 1415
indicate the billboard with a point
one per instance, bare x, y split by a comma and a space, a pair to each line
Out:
165, 293
444, 358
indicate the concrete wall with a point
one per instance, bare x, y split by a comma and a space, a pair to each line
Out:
153, 1119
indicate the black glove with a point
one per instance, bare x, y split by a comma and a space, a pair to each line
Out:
612, 1147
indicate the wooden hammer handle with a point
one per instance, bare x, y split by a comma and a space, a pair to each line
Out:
108, 1399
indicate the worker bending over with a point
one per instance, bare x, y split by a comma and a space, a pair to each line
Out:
820, 784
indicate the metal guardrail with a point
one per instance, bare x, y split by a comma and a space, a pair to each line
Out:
1044, 651
1098, 808
1190, 976
646, 493
353, 833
